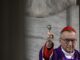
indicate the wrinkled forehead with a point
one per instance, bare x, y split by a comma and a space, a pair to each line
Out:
67, 34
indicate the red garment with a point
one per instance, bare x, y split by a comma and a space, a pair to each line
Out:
47, 53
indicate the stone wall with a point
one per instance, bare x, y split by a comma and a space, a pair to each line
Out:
36, 31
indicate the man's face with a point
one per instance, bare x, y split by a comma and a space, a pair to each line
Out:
49, 44
68, 40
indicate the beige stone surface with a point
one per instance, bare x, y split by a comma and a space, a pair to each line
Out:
36, 31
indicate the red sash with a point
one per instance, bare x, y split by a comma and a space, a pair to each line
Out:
47, 53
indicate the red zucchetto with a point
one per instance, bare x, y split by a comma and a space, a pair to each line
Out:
68, 28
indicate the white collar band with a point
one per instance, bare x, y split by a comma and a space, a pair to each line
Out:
68, 55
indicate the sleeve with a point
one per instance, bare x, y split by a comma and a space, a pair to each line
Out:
40, 54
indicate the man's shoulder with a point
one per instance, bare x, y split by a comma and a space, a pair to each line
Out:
58, 49
77, 52
59, 52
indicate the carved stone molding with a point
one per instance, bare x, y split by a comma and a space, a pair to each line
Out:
44, 8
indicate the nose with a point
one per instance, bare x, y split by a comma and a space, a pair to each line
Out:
70, 43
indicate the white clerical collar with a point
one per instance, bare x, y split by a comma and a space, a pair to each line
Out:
68, 55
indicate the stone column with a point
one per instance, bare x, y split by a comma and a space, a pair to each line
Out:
68, 16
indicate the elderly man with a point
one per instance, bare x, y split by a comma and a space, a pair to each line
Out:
66, 51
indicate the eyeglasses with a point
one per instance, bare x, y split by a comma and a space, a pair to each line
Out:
67, 40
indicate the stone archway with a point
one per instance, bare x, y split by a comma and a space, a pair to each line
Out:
43, 8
